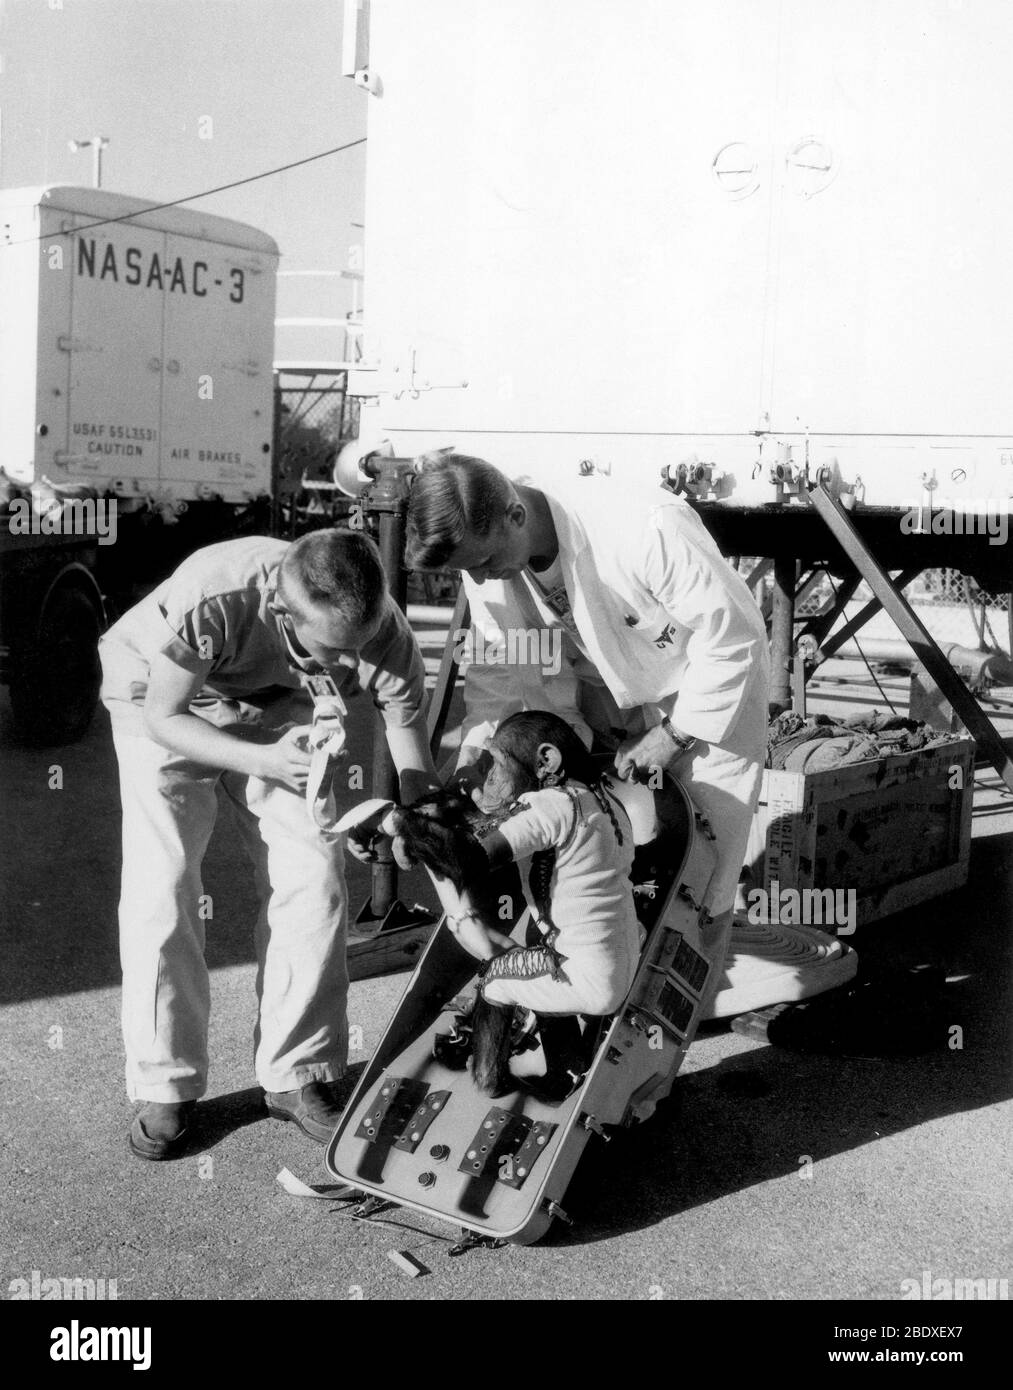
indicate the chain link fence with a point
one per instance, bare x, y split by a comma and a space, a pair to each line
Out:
316, 417
949, 603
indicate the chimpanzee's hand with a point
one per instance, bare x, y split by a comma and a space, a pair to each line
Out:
471, 774
361, 844
365, 840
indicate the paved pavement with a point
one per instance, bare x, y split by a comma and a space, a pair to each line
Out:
715, 1198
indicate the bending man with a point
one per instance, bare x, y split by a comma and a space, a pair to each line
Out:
204, 683
658, 651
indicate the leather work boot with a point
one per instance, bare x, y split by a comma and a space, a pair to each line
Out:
161, 1130
315, 1108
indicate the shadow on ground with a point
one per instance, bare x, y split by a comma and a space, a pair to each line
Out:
746, 1120
60, 816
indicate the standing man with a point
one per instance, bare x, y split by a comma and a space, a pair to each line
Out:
660, 650
203, 680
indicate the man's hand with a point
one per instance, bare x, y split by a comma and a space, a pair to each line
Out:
287, 761
365, 840
638, 757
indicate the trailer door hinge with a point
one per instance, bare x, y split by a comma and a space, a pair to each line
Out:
66, 343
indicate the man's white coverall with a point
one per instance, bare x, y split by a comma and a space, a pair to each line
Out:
658, 624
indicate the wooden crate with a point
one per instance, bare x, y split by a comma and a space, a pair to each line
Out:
897, 830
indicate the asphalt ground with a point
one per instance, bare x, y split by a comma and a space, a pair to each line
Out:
775, 1172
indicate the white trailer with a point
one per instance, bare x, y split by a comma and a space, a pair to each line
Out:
136, 419
135, 347
735, 231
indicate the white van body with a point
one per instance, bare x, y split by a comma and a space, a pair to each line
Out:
135, 347
736, 232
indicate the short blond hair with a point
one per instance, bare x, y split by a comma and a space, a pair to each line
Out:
335, 568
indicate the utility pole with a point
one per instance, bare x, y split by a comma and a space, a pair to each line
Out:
97, 144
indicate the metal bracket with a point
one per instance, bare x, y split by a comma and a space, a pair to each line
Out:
506, 1147
557, 1213
595, 1127
370, 1207
473, 1240
391, 1109
415, 1130
518, 1166
691, 478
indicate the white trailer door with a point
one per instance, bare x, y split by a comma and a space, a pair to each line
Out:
896, 291
562, 210
115, 356
216, 413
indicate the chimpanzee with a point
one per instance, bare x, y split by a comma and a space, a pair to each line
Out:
545, 798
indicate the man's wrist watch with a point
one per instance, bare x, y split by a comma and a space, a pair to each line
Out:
684, 742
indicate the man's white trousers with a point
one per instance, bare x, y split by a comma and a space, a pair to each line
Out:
169, 810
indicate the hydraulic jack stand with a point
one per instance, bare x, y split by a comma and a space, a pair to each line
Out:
383, 921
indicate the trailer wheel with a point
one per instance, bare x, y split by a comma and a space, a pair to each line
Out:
55, 688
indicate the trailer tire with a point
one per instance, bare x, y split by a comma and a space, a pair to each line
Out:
55, 688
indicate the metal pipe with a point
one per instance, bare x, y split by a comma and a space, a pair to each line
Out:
782, 621
994, 666
429, 615
385, 779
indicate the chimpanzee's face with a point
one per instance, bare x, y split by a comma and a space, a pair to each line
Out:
505, 781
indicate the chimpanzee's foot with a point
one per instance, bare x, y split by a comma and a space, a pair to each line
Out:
453, 1049
493, 1026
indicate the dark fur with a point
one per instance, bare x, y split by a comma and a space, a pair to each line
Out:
442, 832
492, 1025
439, 832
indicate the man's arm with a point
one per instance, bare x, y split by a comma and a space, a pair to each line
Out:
409, 748
397, 683
727, 642
169, 722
